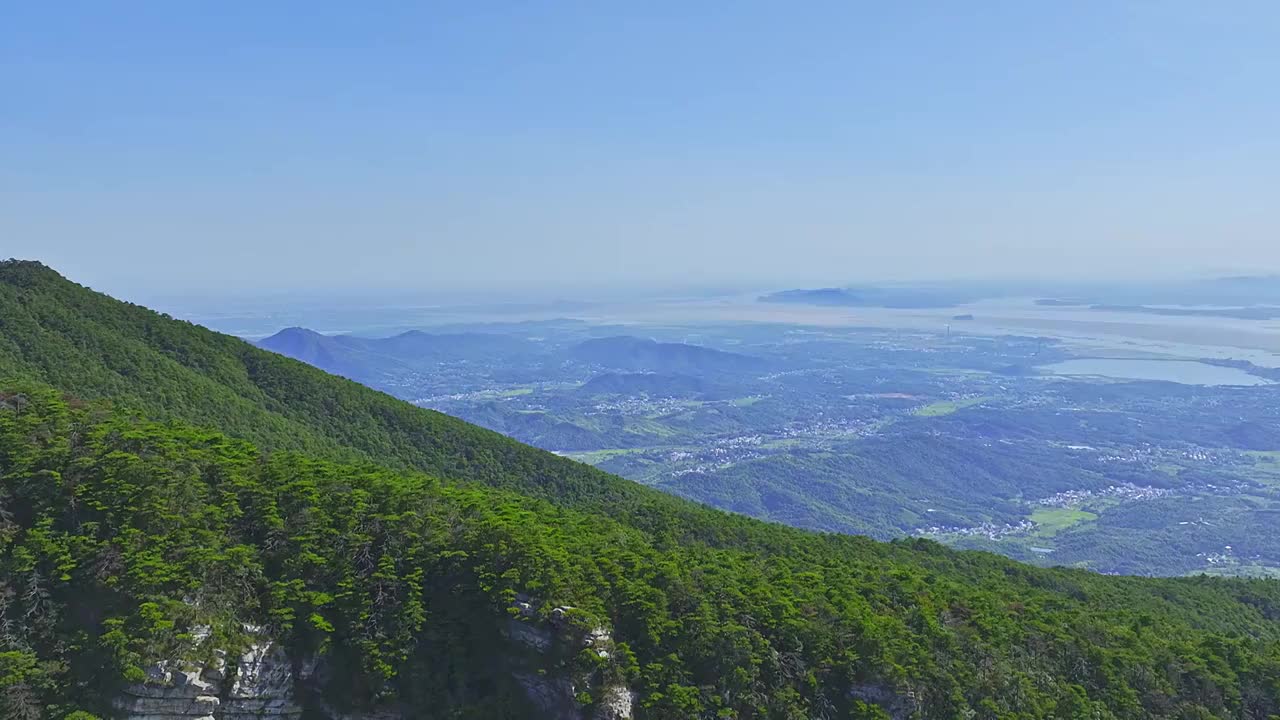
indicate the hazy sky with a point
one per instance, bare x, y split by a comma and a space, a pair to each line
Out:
276, 145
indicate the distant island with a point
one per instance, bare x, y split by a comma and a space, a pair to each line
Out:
876, 296
1061, 302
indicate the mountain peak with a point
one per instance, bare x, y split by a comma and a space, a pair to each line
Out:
295, 332
27, 273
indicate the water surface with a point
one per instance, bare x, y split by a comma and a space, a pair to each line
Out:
1187, 372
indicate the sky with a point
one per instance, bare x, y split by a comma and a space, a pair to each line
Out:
237, 147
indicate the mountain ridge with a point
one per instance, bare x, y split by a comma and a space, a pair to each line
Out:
364, 359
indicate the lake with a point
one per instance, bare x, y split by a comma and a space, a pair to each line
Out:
1187, 372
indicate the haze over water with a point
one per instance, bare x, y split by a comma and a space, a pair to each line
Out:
1180, 371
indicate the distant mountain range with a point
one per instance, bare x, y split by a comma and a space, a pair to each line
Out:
361, 358
369, 359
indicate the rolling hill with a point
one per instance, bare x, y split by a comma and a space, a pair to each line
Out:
634, 354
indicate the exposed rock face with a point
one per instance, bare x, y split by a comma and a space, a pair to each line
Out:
262, 686
258, 685
171, 694
530, 635
555, 695
615, 703
898, 706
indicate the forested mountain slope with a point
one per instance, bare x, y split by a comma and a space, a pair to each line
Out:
121, 536
129, 520
94, 346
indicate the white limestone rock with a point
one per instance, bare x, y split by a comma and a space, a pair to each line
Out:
615, 704
262, 686
258, 687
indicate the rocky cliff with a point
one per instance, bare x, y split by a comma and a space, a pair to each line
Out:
262, 682
556, 695
257, 684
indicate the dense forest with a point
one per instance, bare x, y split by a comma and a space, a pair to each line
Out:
158, 477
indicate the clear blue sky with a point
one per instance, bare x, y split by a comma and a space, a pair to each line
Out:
245, 146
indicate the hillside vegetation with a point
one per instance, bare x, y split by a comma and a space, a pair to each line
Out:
157, 476
94, 346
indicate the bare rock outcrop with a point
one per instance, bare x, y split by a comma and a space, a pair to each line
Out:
171, 694
260, 682
615, 703
898, 704
554, 697
262, 685
557, 695
257, 686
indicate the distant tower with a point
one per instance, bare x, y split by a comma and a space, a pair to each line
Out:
948, 332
